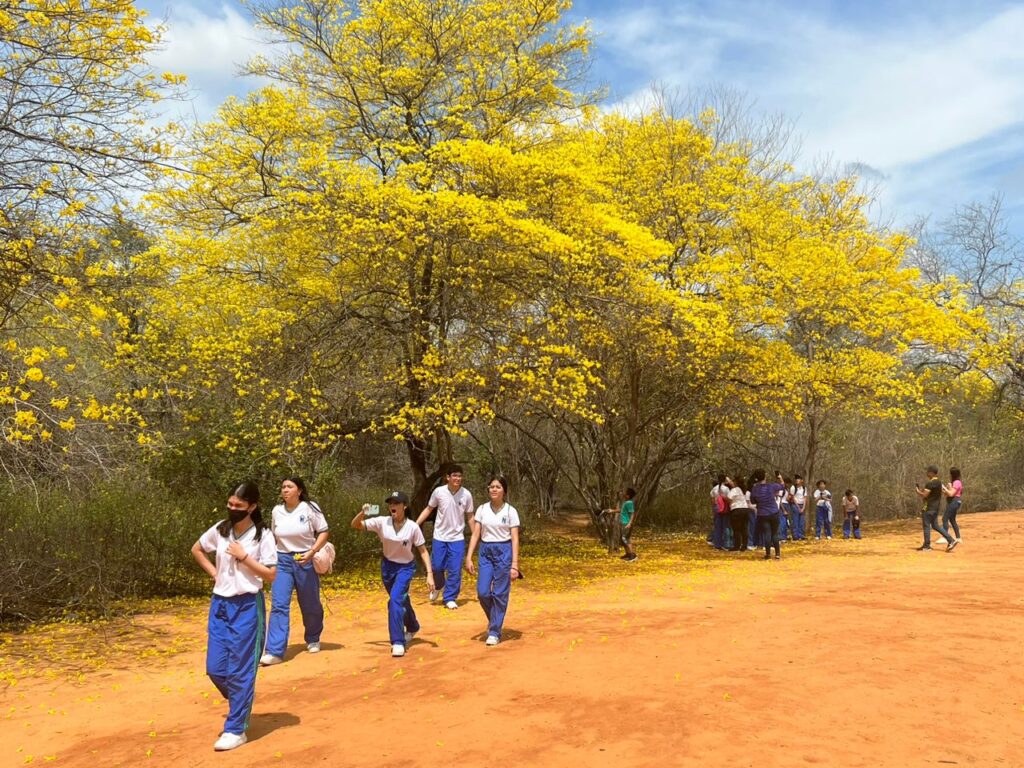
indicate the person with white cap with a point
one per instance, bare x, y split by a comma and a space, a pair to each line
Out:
400, 539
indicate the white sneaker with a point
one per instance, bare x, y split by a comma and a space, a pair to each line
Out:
492, 640
268, 660
409, 636
398, 649
313, 647
432, 596
451, 605
229, 741
829, 538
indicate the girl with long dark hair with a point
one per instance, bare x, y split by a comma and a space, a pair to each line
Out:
245, 557
496, 529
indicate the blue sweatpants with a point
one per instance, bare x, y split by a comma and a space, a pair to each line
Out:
401, 616
784, 521
494, 583
446, 562
718, 530
753, 530
822, 521
850, 526
798, 522
233, 647
306, 582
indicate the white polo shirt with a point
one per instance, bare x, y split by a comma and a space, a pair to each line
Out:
398, 545
296, 531
234, 578
496, 526
452, 508
799, 494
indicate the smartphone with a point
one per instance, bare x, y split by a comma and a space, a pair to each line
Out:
374, 509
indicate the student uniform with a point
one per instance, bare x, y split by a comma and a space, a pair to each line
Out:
448, 548
720, 515
851, 525
799, 494
823, 512
494, 581
397, 568
236, 622
738, 509
296, 532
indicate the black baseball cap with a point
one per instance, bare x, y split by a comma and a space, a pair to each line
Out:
397, 497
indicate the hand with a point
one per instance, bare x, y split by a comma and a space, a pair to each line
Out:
469, 567
304, 558
430, 582
237, 551
513, 573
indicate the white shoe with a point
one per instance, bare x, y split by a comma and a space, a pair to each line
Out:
313, 647
398, 650
269, 660
451, 605
492, 640
432, 596
229, 741
409, 636
829, 538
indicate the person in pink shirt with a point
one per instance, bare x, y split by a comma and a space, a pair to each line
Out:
953, 492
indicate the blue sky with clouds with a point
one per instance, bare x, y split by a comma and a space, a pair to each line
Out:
927, 97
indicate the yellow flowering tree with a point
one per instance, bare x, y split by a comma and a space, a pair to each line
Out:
73, 107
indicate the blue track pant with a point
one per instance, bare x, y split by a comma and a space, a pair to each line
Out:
306, 582
233, 647
446, 561
401, 616
494, 583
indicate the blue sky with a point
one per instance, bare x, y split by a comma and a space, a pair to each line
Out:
926, 97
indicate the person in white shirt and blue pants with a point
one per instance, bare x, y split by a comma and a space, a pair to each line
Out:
245, 558
300, 530
454, 505
496, 529
399, 537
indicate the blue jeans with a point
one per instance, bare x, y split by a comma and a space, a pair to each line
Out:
721, 525
930, 520
494, 582
822, 521
850, 526
233, 647
949, 516
753, 530
401, 616
446, 558
306, 582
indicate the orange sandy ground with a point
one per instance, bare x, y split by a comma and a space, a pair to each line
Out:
844, 653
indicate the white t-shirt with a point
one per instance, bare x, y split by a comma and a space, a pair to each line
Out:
234, 578
398, 545
799, 494
737, 499
496, 526
822, 497
450, 523
296, 531
849, 505
719, 490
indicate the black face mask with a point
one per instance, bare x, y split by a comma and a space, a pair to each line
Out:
237, 515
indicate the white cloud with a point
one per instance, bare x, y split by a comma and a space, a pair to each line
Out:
929, 99
208, 45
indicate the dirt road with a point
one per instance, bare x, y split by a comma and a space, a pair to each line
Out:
844, 653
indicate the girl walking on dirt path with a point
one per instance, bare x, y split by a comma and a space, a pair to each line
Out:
245, 558
931, 496
954, 492
496, 528
300, 530
399, 537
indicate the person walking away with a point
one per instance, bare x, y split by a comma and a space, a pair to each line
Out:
953, 492
739, 508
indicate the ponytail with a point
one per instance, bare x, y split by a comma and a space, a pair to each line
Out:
249, 492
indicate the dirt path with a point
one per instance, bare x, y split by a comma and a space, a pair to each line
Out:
843, 654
